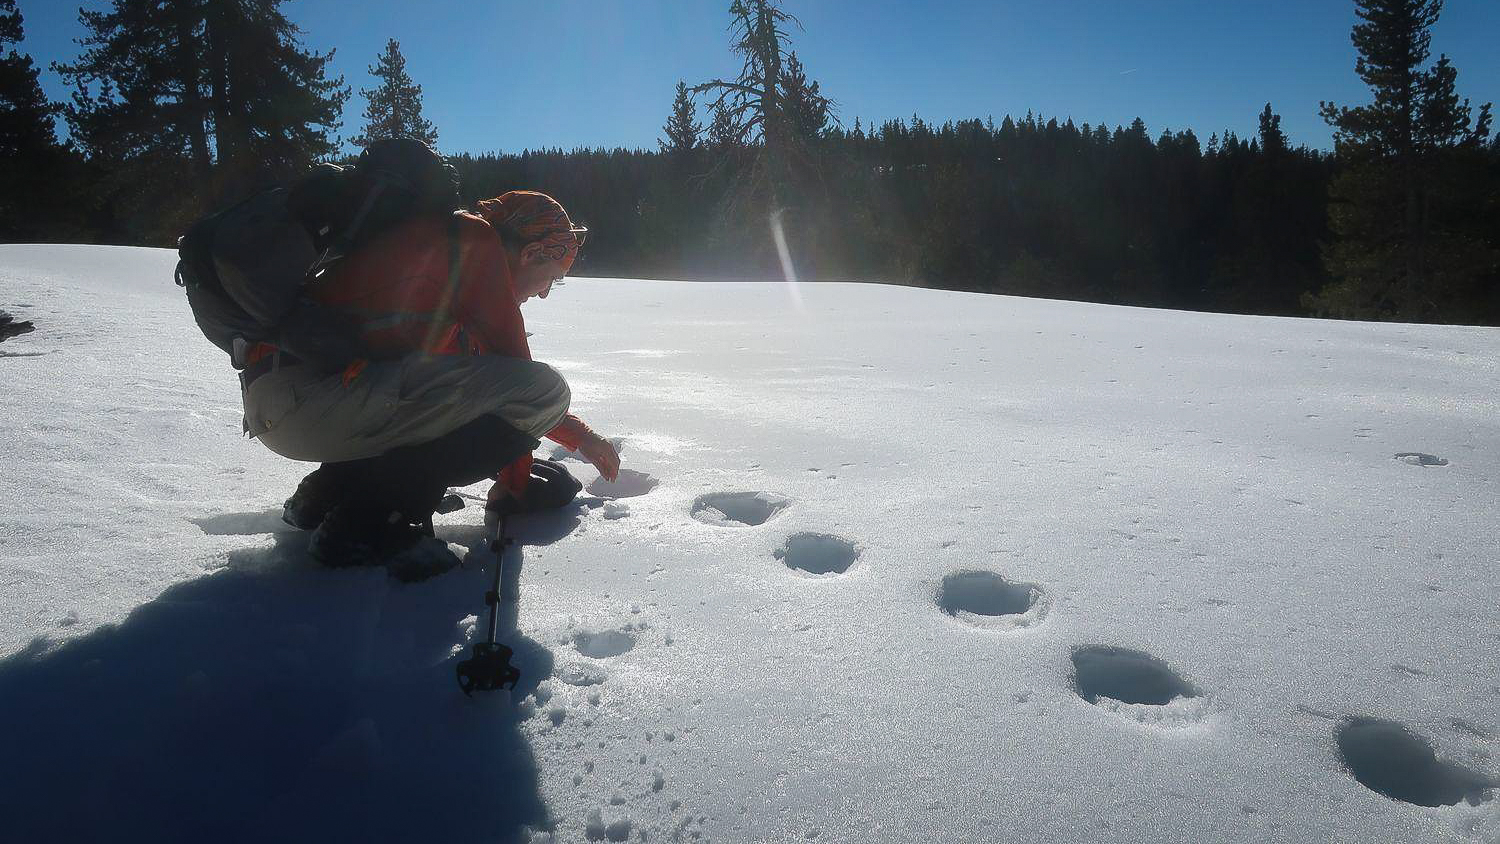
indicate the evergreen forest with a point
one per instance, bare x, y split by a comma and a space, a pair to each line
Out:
184, 107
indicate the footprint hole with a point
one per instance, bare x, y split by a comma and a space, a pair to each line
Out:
1388, 759
985, 593
604, 644
818, 553
730, 509
1125, 675
627, 484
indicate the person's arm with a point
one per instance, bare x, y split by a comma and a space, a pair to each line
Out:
490, 314
570, 432
573, 434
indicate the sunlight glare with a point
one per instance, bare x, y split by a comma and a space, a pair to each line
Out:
787, 271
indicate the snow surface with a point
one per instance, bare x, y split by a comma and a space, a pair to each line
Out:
873, 548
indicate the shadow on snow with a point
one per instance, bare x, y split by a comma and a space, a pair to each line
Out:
276, 700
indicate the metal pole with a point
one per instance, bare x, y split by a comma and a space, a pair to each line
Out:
490, 666
498, 546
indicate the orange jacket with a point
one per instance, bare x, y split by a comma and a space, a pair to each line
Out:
401, 287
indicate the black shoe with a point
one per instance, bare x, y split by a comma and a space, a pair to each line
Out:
351, 535
317, 494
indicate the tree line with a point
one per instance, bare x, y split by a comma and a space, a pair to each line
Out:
182, 106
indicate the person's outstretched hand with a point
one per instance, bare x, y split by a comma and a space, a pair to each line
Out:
602, 454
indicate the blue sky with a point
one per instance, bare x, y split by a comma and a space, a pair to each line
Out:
501, 75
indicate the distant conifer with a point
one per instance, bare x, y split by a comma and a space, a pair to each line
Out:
1272, 140
215, 94
25, 114
681, 127
806, 109
394, 107
757, 104
1405, 205
35, 161
722, 132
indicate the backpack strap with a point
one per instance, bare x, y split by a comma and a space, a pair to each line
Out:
455, 265
450, 293
341, 244
454, 256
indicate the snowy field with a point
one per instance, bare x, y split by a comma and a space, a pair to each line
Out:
885, 564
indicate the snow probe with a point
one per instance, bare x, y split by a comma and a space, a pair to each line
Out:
490, 667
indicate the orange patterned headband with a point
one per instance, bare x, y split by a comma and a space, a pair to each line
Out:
533, 217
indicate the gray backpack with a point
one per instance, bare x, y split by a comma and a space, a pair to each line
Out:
246, 269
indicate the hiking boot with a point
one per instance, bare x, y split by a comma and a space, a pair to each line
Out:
352, 535
315, 496
422, 559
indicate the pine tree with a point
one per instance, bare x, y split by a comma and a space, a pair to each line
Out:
217, 95
1404, 207
756, 103
722, 132
807, 110
394, 108
781, 169
139, 90
25, 114
682, 128
1272, 140
32, 179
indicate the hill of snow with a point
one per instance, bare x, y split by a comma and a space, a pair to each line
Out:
885, 564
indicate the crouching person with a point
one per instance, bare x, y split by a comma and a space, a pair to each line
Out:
448, 394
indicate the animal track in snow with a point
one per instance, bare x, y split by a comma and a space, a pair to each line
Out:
984, 593
581, 675
618, 829
628, 484
818, 553
732, 509
1417, 458
1135, 685
1388, 759
604, 644
985, 599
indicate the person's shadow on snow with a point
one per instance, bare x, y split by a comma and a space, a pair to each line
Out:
274, 700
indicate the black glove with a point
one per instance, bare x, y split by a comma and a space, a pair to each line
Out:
551, 486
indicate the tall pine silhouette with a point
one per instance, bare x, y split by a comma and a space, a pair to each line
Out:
723, 134
1404, 209
32, 182
198, 102
756, 110
807, 110
681, 128
756, 104
394, 107
25, 114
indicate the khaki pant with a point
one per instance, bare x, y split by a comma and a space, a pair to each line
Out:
305, 415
